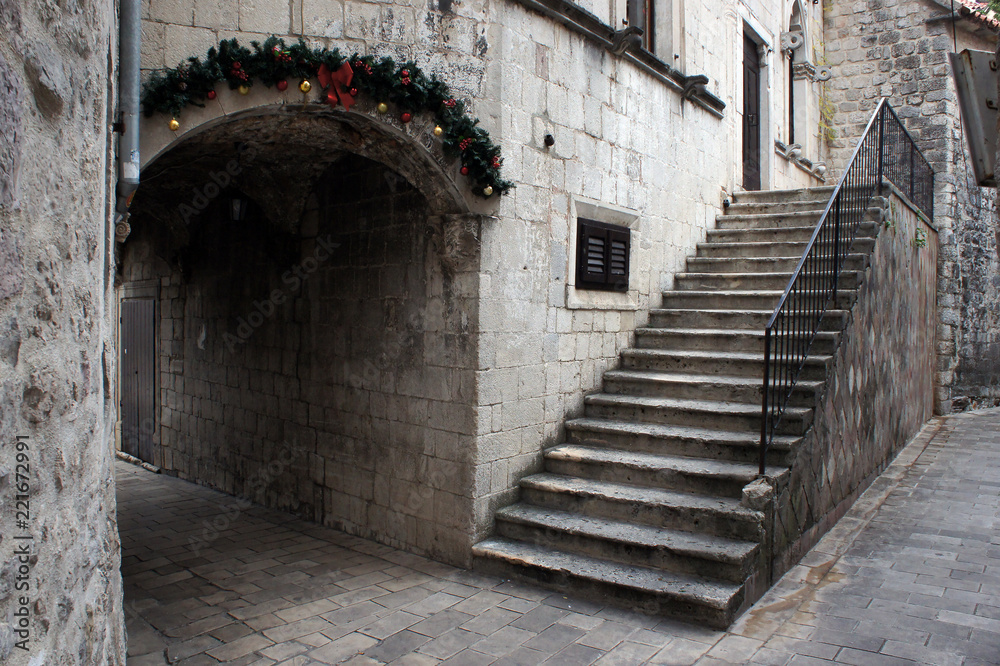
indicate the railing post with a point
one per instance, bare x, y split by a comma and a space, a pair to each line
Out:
836, 249
881, 146
930, 201
764, 406
913, 179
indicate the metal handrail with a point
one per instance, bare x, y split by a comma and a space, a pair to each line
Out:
886, 151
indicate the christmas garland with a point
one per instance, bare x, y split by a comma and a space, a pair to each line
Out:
273, 63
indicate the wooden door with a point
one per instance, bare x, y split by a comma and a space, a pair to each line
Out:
138, 379
751, 115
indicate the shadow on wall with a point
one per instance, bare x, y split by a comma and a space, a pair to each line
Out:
314, 354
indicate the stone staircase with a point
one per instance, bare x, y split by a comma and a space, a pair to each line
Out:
642, 503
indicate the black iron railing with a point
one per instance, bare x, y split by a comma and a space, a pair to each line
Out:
886, 151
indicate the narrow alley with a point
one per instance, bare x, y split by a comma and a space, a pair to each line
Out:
910, 575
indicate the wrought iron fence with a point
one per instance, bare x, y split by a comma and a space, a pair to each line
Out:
885, 152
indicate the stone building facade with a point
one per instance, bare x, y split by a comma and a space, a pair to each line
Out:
900, 50
60, 586
369, 344
459, 368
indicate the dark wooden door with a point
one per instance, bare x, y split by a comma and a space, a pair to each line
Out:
751, 115
138, 388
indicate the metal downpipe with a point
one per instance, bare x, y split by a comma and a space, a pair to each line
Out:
129, 40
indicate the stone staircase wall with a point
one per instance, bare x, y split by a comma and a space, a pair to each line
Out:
879, 387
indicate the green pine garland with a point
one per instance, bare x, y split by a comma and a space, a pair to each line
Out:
169, 91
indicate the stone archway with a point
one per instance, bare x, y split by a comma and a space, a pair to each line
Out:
408, 148
317, 356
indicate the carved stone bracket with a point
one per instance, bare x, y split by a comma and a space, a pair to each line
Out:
803, 70
122, 229
793, 153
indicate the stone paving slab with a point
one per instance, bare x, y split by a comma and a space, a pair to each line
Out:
911, 575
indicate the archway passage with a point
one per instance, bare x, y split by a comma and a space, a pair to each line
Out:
314, 329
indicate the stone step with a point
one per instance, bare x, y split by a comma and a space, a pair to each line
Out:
760, 235
760, 264
721, 478
750, 340
679, 440
737, 281
773, 234
770, 249
688, 299
833, 320
766, 207
778, 218
783, 196
744, 364
671, 550
739, 416
718, 516
690, 386
692, 599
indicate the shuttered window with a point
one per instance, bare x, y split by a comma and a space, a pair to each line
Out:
602, 254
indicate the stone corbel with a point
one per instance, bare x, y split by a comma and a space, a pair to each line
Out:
803, 70
790, 41
122, 229
793, 153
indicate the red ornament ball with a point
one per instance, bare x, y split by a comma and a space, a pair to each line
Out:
406, 117
465, 171
211, 94
237, 65
354, 92
282, 85
405, 72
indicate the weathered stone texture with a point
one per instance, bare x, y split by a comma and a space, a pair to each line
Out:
325, 369
893, 51
879, 391
55, 323
10, 135
626, 144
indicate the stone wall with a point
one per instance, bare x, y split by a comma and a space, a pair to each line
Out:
882, 49
328, 371
56, 356
625, 146
879, 388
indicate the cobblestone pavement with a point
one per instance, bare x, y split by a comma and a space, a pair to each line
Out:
910, 575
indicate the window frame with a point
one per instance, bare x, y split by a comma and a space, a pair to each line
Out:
607, 279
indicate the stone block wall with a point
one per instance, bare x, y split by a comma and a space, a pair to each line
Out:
60, 587
890, 49
879, 389
445, 37
327, 372
628, 149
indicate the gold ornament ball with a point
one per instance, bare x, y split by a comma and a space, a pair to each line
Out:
305, 86
383, 107
488, 190
244, 90
174, 125
438, 131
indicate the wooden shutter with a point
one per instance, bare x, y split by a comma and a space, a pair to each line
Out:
618, 250
602, 257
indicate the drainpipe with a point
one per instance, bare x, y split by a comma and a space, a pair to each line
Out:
129, 39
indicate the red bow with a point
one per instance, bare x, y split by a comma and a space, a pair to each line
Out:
336, 84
